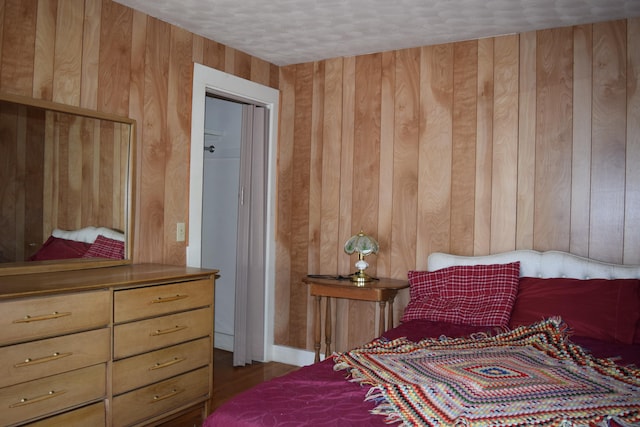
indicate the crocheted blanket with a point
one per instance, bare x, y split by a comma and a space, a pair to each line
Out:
531, 375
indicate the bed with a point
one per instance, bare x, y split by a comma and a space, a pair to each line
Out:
518, 338
87, 242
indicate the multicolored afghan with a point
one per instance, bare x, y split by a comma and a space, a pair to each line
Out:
528, 376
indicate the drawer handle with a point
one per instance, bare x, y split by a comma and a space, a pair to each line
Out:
169, 299
168, 331
172, 393
29, 361
167, 364
54, 315
28, 401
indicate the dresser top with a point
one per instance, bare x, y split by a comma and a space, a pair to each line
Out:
96, 278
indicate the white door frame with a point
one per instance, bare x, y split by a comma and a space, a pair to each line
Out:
209, 80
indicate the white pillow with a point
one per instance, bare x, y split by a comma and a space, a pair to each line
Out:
88, 234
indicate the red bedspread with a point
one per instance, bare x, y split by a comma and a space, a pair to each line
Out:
317, 395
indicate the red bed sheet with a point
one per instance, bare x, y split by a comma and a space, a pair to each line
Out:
317, 395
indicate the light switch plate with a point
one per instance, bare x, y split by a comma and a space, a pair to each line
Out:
180, 232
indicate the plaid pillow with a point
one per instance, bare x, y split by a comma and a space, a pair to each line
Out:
480, 295
104, 247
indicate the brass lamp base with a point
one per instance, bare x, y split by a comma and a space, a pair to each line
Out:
361, 277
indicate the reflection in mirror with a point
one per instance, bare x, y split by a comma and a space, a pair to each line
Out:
65, 202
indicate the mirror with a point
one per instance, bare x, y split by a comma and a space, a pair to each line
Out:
67, 187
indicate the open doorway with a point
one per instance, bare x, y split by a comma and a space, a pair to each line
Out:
258, 268
220, 200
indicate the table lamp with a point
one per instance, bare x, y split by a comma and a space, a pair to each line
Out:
364, 245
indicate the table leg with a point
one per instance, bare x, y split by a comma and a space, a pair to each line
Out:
327, 329
316, 328
390, 316
381, 325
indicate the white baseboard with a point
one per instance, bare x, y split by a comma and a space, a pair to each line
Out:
223, 341
292, 356
279, 353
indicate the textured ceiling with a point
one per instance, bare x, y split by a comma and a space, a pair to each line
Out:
295, 31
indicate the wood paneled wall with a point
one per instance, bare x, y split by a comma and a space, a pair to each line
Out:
101, 55
521, 141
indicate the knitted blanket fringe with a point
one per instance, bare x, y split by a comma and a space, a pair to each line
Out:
550, 338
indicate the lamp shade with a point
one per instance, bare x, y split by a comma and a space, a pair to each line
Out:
362, 244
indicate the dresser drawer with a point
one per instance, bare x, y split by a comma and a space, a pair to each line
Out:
151, 334
40, 397
31, 318
36, 359
151, 301
158, 398
92, 415
152, 367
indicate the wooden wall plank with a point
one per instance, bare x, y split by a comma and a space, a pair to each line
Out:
19, 27
229, 55
179, 135
274, 76
9, 162
608, 141
484, 148
259, 71
91, 54
553, 139
581, 160
316, 168
49, 198
44, 49
214, 54
505, 145
198, 49
91, 162
115, 59
154, 143
242, 65
33, 234
435, 153
385, 189
105, 176
330, 246
300, 208
136, 110
631, 253
526, 141
20, 199
463, 162
347, 158
405, 161
2, 26
67, 68
366, 148
285, 200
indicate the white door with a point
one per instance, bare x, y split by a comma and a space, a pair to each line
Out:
233, 229
220, 188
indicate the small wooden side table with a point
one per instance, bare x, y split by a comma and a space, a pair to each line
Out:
382, 291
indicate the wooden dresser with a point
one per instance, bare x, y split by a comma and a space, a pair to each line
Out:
118, 346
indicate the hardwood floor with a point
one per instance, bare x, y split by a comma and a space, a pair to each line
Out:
229, 381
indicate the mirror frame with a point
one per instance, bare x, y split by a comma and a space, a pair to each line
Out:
27, 267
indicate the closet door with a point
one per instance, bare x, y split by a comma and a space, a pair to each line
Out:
249, 331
